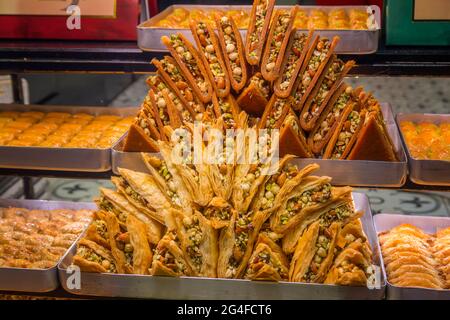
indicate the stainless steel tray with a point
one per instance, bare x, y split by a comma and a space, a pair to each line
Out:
128, 160
384, 222
426, 172
352, 41
35, 280
138, 286
344, 172
64, 159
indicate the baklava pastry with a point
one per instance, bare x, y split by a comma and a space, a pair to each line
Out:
211, 55
98, 230
349, 269
233, 50
314, 254
316, 60
199, 243
130, 249
295, 54
254, 98
168, 259
236, 243
218, 212
267, 262
168, 181
275, 112
141, 190
169, 70
258, 30
277, 40
292, 138
328, 82
191, 65
91, 257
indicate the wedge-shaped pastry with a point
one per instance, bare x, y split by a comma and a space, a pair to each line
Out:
236, 243
254, 98
310, 195
275, 112
168, 259
314, 65
294, 56
319, 97
169, 70
343, 101
211, 55
98, 230
130, 249
373, 142
267, 262
220, 156
270, 192
338, 208
199, 242
146, 129
258, 30
191, 65
228, 109
349, 269
312, 261
233, 50
292, 138
251, 172
168, 181
277, 40
171, 110
193, 175
218, 212
346, 133
91, 257
141, 190
118, 204
415, 280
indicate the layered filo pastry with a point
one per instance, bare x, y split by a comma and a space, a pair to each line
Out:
141, 190
267, 262
199, 243
170, 184
192, 172
221, 154
168, 258
130, 249
91, 257
314, 253
218, 212
236, 243
321, 203
292, 138
98, 230
352, 265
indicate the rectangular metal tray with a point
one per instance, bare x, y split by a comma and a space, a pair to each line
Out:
352, 41
139, 286
36, 280
426, 172
386, 221
344, 172
64, 159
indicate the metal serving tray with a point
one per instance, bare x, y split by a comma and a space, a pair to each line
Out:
36, 280
139, 286
344, 172
384, 222
64, 159
426, 172
352, 41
